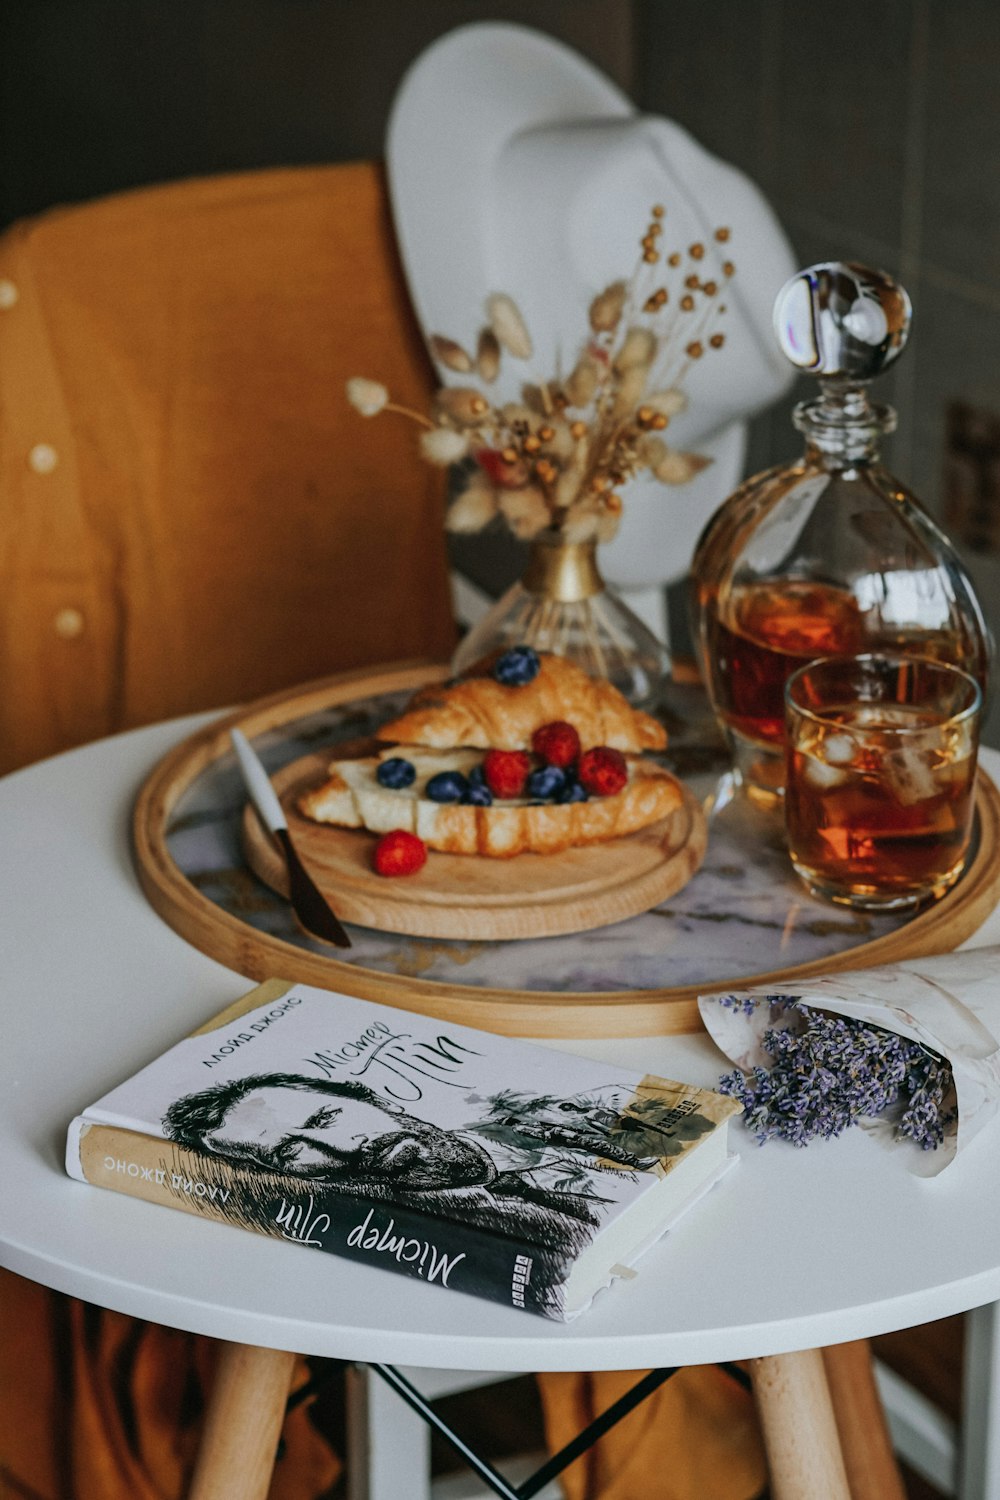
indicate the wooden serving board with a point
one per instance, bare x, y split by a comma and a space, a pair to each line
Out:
257, 954
466, 896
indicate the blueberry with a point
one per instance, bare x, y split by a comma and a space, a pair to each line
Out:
548, 782
477, 776
573, 792
478, 796
447, 786
518, 666
395, 772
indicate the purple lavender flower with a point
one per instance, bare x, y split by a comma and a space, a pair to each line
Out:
829, 1072
744, 1003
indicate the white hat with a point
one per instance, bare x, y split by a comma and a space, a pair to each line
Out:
515, 166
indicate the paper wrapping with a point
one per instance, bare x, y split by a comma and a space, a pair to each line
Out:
950, 1003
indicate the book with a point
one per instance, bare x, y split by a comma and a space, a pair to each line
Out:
474, 1162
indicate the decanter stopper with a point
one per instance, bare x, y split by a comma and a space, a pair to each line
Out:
842, 320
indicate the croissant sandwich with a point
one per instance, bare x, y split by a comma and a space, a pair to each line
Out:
528, 755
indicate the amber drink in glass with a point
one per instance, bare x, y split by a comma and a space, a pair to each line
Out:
880, 777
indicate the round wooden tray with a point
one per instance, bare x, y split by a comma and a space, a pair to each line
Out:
461, 897
260, 955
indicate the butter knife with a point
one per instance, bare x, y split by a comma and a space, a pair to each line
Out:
308, 902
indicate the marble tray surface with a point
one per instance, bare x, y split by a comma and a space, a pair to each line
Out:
744, 913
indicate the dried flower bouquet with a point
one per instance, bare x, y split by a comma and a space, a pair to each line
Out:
556, 460
830, 1072
908, 1051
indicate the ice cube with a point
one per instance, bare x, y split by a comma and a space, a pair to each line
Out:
839, 749
823, 777
884, 716
910, 775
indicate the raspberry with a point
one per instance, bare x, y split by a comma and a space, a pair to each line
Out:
399, 853
558, 743
506, 772
396, 772
517, 667
603, 771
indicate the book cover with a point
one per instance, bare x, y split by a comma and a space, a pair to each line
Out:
476, 1162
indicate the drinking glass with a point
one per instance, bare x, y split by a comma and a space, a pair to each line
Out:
880, 776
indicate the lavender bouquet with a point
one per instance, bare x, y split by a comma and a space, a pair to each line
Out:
908, 1052
828, 1072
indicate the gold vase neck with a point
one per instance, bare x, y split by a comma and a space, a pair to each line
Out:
564, 571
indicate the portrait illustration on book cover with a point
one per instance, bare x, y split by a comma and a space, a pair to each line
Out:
524, 1165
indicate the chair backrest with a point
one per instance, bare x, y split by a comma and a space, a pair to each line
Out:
192, 515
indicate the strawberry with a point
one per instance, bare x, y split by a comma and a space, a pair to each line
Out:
506, 772
558, 743
602, 771
399, 853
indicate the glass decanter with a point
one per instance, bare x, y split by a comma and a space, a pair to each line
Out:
829, 555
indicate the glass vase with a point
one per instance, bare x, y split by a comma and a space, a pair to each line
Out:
562, 605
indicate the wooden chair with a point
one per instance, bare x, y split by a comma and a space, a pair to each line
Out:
193, 516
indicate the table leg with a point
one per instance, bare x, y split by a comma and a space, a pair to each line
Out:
800, 1432
243, 1424
388, 1445
979, 1444
872, 1471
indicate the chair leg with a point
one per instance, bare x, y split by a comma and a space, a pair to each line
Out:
388, 1444
243, 1424
872, 1471
798, 1426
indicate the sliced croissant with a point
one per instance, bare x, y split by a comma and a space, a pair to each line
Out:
353, 798
481, 712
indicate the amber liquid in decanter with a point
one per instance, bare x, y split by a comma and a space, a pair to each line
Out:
759, 634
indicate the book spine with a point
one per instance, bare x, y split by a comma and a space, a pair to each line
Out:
397, 1237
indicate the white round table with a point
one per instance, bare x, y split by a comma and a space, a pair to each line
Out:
794, 1250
